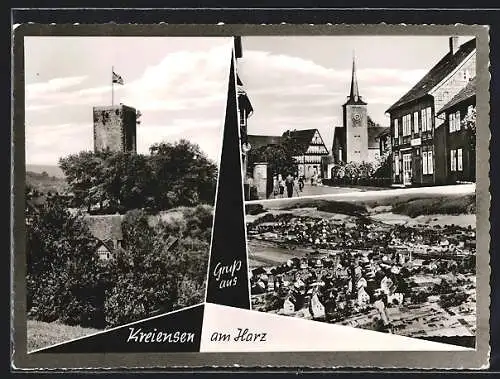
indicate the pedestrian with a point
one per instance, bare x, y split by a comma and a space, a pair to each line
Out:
281, 184
301, 183
289, 185
276, 186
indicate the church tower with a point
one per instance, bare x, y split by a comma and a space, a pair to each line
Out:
355, 120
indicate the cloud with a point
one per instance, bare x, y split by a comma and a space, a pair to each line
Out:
292, 92
56, 85
181, 96
45, 144
183, 80
207, 133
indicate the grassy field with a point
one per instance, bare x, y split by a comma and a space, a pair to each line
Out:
44, 334
262, 254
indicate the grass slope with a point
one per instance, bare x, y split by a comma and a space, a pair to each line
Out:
44, 334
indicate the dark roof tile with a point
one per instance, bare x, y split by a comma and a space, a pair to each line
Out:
105, 227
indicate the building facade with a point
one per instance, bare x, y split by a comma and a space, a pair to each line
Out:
308, 146
245, 108
455, 140
310, 149
115, 128
413, 120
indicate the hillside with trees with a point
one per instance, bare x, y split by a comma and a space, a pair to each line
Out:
67, 283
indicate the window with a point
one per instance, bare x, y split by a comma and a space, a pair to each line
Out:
426, 119
430, 163
427, 162
406, 125
415, 122
459, 160
453, 160
429, 119
457, 120
454, 121
396, 128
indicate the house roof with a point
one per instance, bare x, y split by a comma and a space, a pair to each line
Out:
373, 133
443, 68
465, 93
301, 138
105, 227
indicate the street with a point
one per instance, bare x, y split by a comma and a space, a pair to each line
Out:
318, 190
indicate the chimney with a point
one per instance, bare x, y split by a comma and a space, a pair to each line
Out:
453, 44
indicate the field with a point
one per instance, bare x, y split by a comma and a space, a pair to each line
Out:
265, 254
44, 334
45, 183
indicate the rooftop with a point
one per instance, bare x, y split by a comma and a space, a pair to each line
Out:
466, 93
443, 68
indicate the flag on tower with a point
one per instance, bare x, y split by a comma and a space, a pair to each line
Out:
117, 78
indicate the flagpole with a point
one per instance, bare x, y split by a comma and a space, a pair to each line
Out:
112, 87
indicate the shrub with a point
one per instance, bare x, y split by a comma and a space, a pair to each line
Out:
254, 209
153, 277
64, 279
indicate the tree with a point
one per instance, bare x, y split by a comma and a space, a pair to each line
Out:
279, 158
183, 174
64, 279
469, 122
384, 164
151, 276
128, 181
452, 299
443, 287
85, 174
145, 273
173, 175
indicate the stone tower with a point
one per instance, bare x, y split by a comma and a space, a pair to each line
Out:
115, 128
355, 123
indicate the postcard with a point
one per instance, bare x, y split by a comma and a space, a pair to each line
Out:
194, 197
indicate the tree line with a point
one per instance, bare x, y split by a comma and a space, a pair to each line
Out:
173, 174
67, 282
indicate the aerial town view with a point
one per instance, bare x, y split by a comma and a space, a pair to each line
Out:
402, 263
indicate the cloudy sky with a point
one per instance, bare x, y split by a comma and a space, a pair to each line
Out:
302, 82
178, 83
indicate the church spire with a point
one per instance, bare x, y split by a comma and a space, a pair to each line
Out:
354, 94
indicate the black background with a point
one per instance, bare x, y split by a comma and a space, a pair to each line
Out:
414, 12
